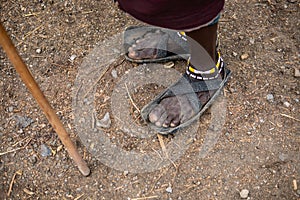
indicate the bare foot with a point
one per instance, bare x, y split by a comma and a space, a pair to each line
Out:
173, 111
155, 45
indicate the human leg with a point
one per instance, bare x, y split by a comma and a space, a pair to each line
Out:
176, 110
171, 110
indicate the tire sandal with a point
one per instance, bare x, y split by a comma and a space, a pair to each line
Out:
188, 87
162, 52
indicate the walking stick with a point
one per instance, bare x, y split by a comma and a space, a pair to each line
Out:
33, 87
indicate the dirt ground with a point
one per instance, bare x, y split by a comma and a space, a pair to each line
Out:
258, 150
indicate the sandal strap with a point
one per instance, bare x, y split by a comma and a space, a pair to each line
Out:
210, 74
187, 86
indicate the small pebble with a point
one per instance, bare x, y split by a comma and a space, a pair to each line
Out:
20, 131
114, 73
23, 121
234, 54
297, 73
298, 192
38, 51
273, 39
244, 56
283, 157
105, 122
169, 189
244, 194
295, 186
125, 173
72, 58
270, 97
286, 104
10, 109
33, 159
45, 150
252, 41
1, 166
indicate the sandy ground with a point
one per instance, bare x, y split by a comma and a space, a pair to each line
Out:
258, 149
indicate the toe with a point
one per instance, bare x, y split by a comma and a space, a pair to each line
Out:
133, 54
156, 113
130, 49
175, 122
161, 120
168, 121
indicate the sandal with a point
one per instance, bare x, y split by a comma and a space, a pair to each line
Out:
162, 51
188, 87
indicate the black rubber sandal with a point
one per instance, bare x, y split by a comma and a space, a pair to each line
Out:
163, 54
184, 86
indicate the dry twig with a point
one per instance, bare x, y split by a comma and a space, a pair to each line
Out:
79, 197
131, 99
284, 115
32, 14
162, 144
20, 141
10, 151
142, 198
13, 150
97, 80
159, 177
100, 77
19, 172
164, 149
30, 32
28, 191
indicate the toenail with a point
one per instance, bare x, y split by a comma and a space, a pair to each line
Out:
133, 54
173, 125
153, 117
158, 124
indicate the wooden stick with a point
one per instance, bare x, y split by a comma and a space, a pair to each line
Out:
34, 89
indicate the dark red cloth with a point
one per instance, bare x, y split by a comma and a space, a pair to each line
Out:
173, 14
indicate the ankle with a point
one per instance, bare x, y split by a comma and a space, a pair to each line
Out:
200, 73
